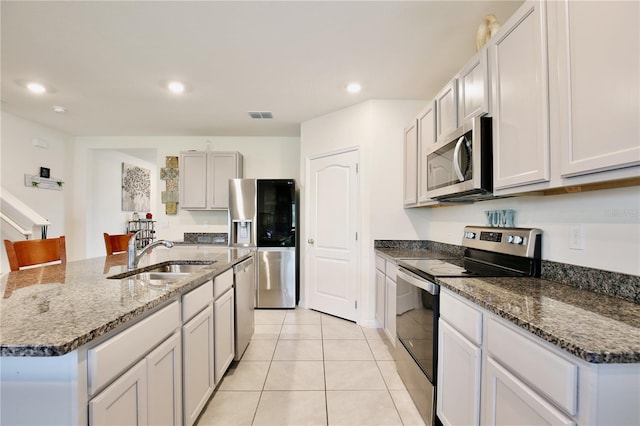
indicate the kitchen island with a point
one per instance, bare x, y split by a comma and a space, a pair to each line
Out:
52, 317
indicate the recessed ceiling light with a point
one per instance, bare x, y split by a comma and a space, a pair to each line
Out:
36, 88
176, 87
58, 108
354, 87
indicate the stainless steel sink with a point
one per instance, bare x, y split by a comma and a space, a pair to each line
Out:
172, 271
152, 276
177, 268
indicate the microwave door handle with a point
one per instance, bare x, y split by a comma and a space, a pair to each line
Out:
456, 158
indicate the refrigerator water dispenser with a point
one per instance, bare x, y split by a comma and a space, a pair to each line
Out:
242, 231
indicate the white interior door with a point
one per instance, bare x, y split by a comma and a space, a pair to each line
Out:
332, 250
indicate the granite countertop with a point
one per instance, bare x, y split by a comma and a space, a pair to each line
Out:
594, 327
53, 310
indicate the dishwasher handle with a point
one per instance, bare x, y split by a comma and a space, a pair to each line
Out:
243, 265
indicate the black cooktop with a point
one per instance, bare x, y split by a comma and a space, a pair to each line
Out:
431, 268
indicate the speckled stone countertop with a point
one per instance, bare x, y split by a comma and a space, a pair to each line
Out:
53, 310
591, 326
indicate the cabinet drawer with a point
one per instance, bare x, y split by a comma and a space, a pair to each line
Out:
109, 359
196, 300
380, 262
222, 283
462, 316
391, 270
545, 371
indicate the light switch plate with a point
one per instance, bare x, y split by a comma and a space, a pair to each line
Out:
576, 237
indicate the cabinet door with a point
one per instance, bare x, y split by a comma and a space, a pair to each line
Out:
520, 100
221, 168
598, 84
508, 401
193, 180
447, 110
198, 357
459, 361
224, 337
380, 298
411, 165
426, 138
164, 378
473, 87
390, 310
124, 402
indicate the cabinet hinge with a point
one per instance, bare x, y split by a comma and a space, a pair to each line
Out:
357, 168
356, 304
356, 236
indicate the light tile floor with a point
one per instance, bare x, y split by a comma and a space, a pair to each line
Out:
306, 368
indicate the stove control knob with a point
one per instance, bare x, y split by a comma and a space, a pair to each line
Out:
470, 235
517, 240
509, 239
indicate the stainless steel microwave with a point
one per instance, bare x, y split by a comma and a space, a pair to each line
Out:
460, 168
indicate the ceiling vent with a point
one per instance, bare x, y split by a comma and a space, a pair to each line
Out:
260, 114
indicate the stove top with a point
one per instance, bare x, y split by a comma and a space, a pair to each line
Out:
431, 268
489, 252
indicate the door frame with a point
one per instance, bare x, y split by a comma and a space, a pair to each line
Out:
305, 291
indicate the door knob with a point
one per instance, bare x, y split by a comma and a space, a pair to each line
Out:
310, 241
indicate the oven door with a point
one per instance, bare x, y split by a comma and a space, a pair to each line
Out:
417, 337
417, 319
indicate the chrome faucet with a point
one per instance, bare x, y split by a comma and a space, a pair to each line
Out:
133, 256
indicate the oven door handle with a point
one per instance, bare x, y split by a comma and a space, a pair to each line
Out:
417, 281
456, 159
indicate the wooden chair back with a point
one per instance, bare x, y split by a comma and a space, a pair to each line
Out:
116, 243
35, 252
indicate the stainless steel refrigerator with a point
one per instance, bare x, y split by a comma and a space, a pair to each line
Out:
263, 215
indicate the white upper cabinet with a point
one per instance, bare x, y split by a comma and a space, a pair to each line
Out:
594, 56
426, 138
204, 179
447, 110
520, 107
473, 87
411, 165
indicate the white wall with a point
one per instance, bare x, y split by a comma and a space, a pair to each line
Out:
264, 157
376, 127
18, 156
610, 220
105, 206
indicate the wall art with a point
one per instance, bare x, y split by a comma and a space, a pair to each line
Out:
136, 188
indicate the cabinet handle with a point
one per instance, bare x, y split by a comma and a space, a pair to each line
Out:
310, 241
456, 158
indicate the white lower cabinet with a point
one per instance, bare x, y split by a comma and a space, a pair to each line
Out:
164, 382
148, 393
385, 313
124, 402
198, 363
509, 401
459, 361
491, 372
458, 390
224, 339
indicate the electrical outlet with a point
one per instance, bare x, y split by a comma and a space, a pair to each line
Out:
576, 237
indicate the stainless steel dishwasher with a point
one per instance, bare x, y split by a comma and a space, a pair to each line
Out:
245, 291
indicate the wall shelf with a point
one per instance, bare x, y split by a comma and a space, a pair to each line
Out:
45, 183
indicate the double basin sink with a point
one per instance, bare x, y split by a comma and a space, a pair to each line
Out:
165, 272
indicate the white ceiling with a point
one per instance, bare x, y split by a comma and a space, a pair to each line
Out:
107, 62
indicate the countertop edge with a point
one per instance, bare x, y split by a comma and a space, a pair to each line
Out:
64, 348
